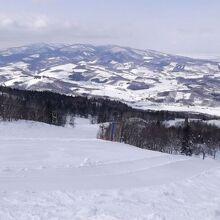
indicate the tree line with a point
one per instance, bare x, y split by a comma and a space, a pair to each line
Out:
53, 108
137, 127
190, 137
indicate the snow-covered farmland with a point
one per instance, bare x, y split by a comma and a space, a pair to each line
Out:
144, 79
49, 172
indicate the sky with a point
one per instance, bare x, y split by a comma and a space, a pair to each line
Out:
186, 27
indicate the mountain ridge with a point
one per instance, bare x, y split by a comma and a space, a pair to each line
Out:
145, 79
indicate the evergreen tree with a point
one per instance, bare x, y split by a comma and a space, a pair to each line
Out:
186, 139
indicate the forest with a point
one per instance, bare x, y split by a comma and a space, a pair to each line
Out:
119, 122
191, 137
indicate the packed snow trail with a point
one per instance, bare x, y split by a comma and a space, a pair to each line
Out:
49, 172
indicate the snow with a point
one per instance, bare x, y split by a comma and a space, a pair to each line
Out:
34, 81
65, 173
117, 49
79, 70
176, 107
215, 122
11, 82
171, 82
148, 58
178, 122
182, 95
35, 56
62, 71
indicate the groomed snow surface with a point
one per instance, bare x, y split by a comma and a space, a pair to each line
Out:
56, 173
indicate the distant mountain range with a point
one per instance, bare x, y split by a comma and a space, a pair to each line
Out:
142, 78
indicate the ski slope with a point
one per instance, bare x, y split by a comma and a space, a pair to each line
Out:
49, 172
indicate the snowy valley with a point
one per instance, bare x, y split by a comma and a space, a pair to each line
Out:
144, 79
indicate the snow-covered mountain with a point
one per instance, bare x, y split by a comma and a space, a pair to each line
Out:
143, 78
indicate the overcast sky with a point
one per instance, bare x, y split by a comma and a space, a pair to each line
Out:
189, 27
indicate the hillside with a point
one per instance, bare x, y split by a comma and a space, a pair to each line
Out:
145, 79
50, 172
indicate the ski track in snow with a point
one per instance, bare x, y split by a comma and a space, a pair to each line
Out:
49, 173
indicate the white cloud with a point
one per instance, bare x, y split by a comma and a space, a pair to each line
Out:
26, 23
6, 22
23, 29
45, 25
40, 22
